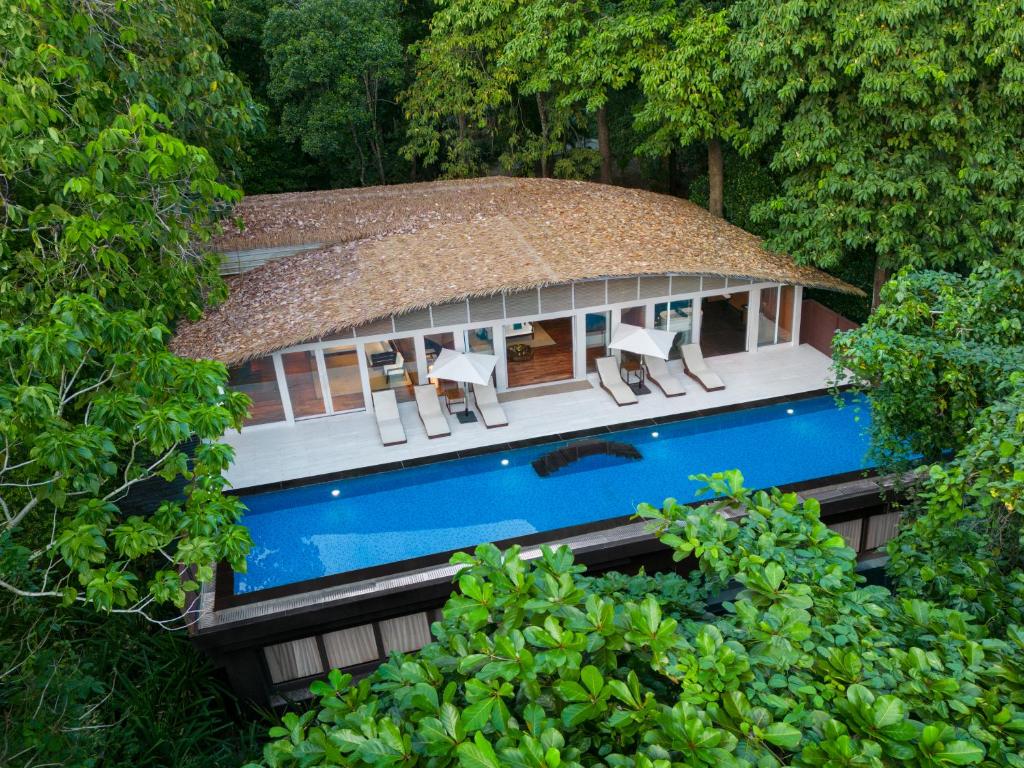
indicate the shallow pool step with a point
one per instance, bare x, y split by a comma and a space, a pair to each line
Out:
567, 454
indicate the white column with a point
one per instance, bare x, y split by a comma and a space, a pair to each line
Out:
649, 315
695, 317
753, 318
798, 301
325, 382
613, 322
579, 349
282, 386
364, 377
501, 368
421, 358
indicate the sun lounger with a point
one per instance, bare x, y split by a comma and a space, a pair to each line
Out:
657, 371
490, 409
696, 368
389, 423
430, 411
611, 381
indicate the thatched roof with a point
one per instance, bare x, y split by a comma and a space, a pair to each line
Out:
399, 248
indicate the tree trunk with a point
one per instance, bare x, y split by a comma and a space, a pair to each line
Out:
881, 278
370, 85
603, 146
716, 178
542, 112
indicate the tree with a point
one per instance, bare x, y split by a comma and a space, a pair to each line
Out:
939, 350
332, 67
899, 128
93, 406
106, 212
691, 92
535, 665
942, 361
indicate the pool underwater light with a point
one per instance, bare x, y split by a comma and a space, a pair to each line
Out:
789, 411
654, 434
335, 492
504, 462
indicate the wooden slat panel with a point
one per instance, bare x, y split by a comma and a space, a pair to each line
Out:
450, 314
348, 647
294, 659
589, 294
622, 289
685, 284
556, 298
406, 633
881, 528
486, 308
653, 286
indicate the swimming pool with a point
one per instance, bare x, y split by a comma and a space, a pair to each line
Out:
336, 527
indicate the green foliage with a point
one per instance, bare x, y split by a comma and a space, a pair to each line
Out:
82, 690
899, 127
939, 350
88, 94
962, 537
107, 207
331, 68
687, 78
95, 404
943, 361
535, 665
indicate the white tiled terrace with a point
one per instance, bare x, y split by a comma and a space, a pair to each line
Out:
275, 453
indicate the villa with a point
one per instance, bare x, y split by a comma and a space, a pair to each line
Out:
347, 305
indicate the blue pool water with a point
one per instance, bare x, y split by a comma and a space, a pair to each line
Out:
308, 532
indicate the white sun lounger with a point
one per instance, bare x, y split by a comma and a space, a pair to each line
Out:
611, 381
430, 411
490, 409
657, 371
696, 368
389, 423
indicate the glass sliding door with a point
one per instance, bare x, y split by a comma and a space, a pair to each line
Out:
392, 365
723, 324
258, 380
775, 318
598, 336
303, 377
480, 340
675, 317
634, 316
342, 365
539, 352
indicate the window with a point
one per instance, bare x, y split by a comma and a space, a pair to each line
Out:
392, 365
258, 380
303, 377
676, 316
775, 319
480, 340
598, 336
342, 365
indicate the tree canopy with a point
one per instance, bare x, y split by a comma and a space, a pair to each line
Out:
331, 67
106, 206
898, 125
942, 364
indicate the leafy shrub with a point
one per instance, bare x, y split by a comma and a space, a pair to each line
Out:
537, 666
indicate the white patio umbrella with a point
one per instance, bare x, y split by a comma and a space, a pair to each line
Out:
467, 367
642, 341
